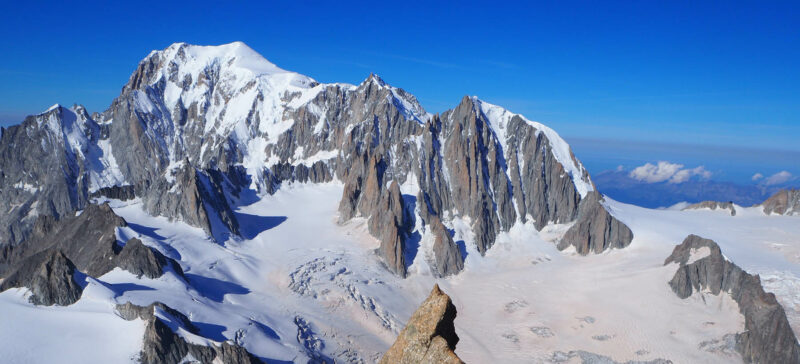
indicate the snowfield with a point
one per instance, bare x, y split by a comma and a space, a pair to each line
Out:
298, 286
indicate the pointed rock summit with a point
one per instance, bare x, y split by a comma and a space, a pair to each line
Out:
429, 336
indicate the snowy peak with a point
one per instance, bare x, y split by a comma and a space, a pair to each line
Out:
234, 56
72, 125
233, 66
51, 108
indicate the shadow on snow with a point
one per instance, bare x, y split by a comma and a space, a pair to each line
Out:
252, 225
212, 288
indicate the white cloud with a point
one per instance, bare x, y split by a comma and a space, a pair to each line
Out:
778, 178
757, 176
684, 174
666, 171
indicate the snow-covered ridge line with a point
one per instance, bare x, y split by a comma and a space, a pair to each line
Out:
499, 117
235, 55
404, 101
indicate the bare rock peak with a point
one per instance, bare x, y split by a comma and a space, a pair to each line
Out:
429, 336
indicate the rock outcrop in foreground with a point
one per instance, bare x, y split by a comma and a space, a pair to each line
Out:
430, 335
784, 202
49, 275
767, 338
163, 345
713, 205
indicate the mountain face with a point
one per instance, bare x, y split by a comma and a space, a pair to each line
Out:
783, 202
767, 338
90, 242
197, 129
163, 345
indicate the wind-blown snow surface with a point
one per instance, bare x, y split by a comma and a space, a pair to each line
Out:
299, 285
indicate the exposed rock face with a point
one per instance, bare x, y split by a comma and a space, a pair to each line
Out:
367, 196
784, 202
194, 197
713, 205
163, 345
49, 275
447, 256
28, 185
429, 336
489, 168
767, 338
89, 241
122, 193
141, 260
316, 173
195, 125
596, 229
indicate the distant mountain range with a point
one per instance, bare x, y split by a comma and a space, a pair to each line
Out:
620, 186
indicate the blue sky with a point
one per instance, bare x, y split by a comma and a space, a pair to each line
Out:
686, 73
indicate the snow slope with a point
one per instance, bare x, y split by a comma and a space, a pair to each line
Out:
298, 285
88, 331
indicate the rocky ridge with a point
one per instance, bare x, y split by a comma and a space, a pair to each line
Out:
50, 276
59, 254
89, 241
430, 334
162, 343
713, 205
767, 338
783, 202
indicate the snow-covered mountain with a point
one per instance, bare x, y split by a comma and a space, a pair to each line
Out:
276, 218
195, 127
